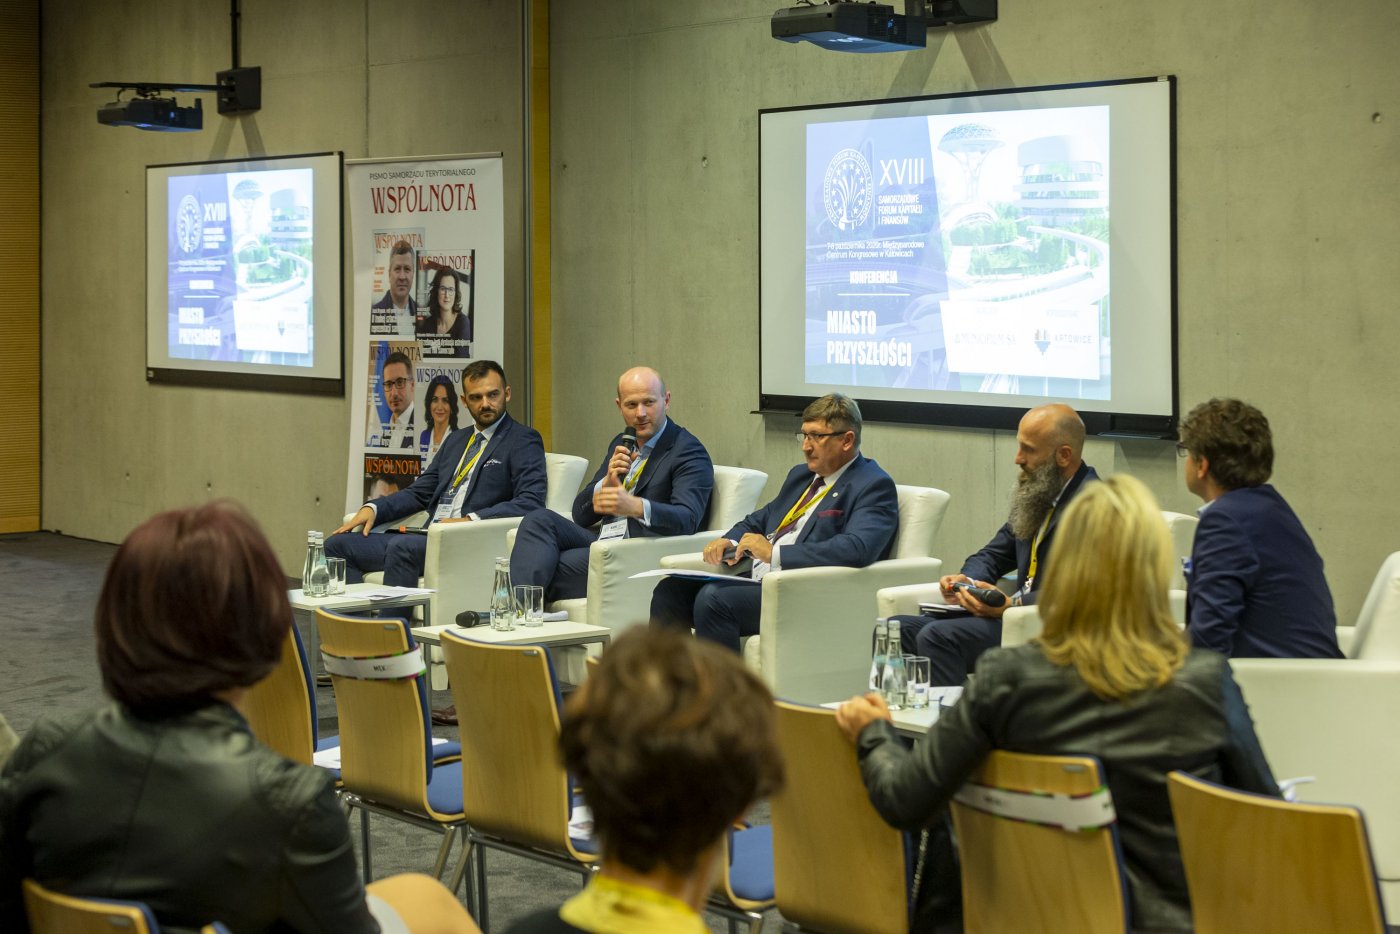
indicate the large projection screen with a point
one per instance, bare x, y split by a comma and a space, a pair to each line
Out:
243, 273
957, 259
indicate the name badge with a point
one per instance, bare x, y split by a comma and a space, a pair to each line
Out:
444, 511
613, 528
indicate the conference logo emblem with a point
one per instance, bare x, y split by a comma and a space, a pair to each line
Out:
848, 189
189, 224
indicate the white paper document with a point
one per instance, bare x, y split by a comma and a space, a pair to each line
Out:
394, 593
694, 575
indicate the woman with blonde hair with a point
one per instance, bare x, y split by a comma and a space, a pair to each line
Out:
1111, 676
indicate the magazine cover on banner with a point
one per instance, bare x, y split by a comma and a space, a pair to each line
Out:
429, 253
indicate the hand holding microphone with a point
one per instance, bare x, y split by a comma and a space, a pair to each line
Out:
988, 595
623, 456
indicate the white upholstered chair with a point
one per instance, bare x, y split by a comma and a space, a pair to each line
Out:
1376, 634
1183, 531
813, 644
1334, 719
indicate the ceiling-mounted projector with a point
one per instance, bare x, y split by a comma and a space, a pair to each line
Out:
851, 27
153, 113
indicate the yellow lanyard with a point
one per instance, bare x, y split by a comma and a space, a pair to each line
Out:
636, 475
800, 509
610, 906
1035, 546
465, 466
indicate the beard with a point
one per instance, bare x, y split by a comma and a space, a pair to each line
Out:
1031, 500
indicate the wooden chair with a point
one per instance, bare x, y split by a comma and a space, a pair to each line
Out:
52, 913
387, 763
1029, 877
837, 866
281, 708
1259, 864
515, 795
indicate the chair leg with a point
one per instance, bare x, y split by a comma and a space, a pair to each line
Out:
449, 836
484, 919
364, 843
733, 926
755, 923
464, 870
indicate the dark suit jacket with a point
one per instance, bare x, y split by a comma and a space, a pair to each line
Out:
509, 479
1256, 587
388, 302
678, 479
854, 525
1005, 552
1022, 702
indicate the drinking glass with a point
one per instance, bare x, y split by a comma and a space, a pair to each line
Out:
337, 569
531, 599
920, 674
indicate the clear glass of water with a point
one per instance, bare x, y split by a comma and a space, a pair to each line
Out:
919, 674
337, 569
530, 599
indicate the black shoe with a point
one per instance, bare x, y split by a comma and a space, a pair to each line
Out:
445, 716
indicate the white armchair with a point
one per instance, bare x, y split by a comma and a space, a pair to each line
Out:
814, 630
616, 601
1376, 634
1332, 718
1183, 531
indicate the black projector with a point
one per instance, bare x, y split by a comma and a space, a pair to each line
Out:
851, 27
153, 113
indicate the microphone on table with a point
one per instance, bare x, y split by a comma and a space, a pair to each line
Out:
469, 618
987, 595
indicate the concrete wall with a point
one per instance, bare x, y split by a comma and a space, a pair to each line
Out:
1288, 212
370, 79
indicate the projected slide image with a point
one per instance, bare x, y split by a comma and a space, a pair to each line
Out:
240, 267
963, 252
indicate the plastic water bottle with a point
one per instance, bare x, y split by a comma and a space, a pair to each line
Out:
877, 658
309, 563
894, 685
502, 598
319, 584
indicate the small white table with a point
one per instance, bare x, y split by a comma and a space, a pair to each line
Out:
556, 634
354, 600
915, 723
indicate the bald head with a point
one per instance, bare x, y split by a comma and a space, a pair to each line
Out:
1050, 432
643, 400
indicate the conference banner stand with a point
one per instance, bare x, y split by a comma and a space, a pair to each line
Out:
429, 297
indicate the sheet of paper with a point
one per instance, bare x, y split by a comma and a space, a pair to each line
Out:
694, 575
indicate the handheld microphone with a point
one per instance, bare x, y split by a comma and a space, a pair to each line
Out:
629, 439
469, 618
989, 596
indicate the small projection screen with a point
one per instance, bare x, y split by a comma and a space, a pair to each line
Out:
957, 259
243, 273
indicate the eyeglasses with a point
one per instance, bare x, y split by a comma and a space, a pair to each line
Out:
403, 382
1182, 450
814, 436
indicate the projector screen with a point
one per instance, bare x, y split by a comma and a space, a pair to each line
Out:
243, 273
957, 259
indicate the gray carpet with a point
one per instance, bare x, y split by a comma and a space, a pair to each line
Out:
48, 590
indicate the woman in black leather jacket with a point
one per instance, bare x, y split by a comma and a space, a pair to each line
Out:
1111, 676
164, 796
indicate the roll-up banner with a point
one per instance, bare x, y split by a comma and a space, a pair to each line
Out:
429, 297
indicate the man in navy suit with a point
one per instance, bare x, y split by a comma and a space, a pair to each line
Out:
1050, 453
661, 485
839, 508
1255, 587
493, 470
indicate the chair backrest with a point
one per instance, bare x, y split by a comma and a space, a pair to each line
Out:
1183, 532
508, 717
564, 475
52, 913
1378, 625
1022, 876
921, 510
735, 495
385, 751
837, 866
1255, 863
281, 708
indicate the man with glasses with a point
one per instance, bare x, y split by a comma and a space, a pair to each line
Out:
836, 509
655, 479
396, 383
1050, 455
1255, 586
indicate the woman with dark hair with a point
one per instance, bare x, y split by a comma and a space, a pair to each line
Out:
671, 740
447, 329
164, 796
442, 418
1111, 676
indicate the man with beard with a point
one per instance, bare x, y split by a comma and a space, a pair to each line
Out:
1050, 448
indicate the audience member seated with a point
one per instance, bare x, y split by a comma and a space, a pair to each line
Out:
495, 471
1111, 676
1049, 451
838, 508
658, 485
164, 796
671, 741
1255, 585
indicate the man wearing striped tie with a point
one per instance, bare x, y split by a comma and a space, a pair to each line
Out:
492, 470
836, 509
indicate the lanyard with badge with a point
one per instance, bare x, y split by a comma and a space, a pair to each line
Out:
617, 527
464, 470
1035, 548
